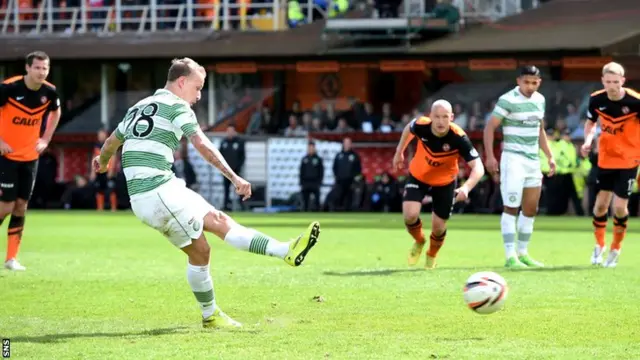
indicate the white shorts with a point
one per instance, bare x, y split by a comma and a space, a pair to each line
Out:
516, 174
174, 210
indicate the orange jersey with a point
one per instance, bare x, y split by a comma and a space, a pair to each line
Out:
436, 160
21, 116
619, 143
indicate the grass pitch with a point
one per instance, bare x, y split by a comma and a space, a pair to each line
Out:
104, 286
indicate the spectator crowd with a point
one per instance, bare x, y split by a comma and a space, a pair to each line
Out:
571, 190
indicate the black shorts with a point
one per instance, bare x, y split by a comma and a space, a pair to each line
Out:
620, 181
17, 179
442, 196
103, 184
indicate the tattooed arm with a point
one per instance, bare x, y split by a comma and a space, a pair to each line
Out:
212, 155
215, 158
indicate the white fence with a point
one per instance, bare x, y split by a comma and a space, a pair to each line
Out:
492, 10
151, 17
274, 163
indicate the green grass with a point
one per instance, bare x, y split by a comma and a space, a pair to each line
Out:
103, 286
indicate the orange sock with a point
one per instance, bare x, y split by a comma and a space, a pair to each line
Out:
435, 243
113, 200
100, 201
416, 231
600, 228
14, 232
619, 231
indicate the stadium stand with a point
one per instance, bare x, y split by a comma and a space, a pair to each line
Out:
347, 95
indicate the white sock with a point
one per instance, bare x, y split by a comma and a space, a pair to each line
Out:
508, 226
202, 286
256, 242
525, 229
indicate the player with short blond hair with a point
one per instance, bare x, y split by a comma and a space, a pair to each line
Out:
150, 133
617, 108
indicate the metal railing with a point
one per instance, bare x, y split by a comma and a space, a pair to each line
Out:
270, 15
492, 10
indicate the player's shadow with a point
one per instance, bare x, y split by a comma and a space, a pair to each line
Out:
387, 272
55, 338
379, 272
556, 268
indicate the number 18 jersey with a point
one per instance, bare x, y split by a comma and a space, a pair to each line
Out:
151, 131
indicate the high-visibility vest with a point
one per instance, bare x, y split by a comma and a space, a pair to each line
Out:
294, 12
338, 7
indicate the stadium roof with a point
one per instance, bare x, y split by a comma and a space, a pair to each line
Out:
607, 26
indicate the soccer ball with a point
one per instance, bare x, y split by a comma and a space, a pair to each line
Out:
485, 292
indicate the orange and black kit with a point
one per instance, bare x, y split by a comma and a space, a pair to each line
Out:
434, 168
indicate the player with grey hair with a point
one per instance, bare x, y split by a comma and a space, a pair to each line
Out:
433, 171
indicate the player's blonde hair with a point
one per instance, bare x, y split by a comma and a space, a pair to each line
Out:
183, 67
443, 104
613, 68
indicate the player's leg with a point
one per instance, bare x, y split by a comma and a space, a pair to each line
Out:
101, 189
113, 195
316, 199
25, 181
220, 224
530, 200
604, 189
443, 201
6, 208
414, 192
511, 188
8, 189
14, 233
305, 195
622, 192
201, 283
293, 252
182, 224
226, 184
8, 195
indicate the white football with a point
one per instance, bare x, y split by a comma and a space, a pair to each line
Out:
485, 292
